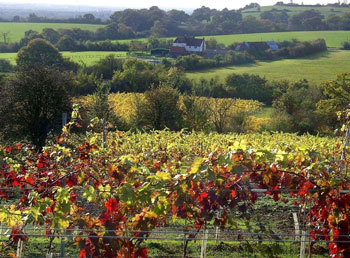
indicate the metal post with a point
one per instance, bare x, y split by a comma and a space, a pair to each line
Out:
64, 119
62, 248
302, 244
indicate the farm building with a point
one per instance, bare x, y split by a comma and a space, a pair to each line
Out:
187, 45
159, 52
263, 45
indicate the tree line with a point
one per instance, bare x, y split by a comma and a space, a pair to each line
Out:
87, 18
140, 23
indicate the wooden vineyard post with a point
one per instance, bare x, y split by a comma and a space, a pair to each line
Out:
63, 233
217, 229
296, 227
185, 241
302, 244
104, 133
62, 246
204, 244
19, 248
64, 122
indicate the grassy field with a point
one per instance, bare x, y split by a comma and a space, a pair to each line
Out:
87, 57
333, 38
315, 69
17, 29
9, 56
292, 10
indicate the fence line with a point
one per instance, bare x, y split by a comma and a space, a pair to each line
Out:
230, 233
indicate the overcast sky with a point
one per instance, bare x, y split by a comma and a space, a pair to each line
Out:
179, 4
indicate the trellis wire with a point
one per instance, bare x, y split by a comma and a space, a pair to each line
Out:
230, 233
180, 238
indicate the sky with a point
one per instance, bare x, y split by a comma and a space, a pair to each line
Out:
178, 4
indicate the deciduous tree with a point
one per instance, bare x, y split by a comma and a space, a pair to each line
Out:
39, 52
33, 102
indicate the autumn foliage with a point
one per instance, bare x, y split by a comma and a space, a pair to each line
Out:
115, 196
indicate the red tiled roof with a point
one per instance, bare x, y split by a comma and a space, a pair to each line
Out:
178, 50
190, 41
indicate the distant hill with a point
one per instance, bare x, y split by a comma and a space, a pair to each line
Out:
9, 10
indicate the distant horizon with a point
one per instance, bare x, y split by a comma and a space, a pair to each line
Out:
137, 4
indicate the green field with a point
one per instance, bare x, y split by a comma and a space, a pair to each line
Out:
333, 38
17, 29
9, 56
87, 57
292, 10
315, 69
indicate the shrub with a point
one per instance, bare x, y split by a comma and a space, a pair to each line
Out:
105, 67
281, 122
85, 84
247, 86
194, 62
299, 103
210, 88
346, 45
237, 58
5, 66
177, 79
137, 76
195, 114
303, 49
9, 47
337, 94
160, 109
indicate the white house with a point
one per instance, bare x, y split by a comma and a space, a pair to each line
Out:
188, 45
